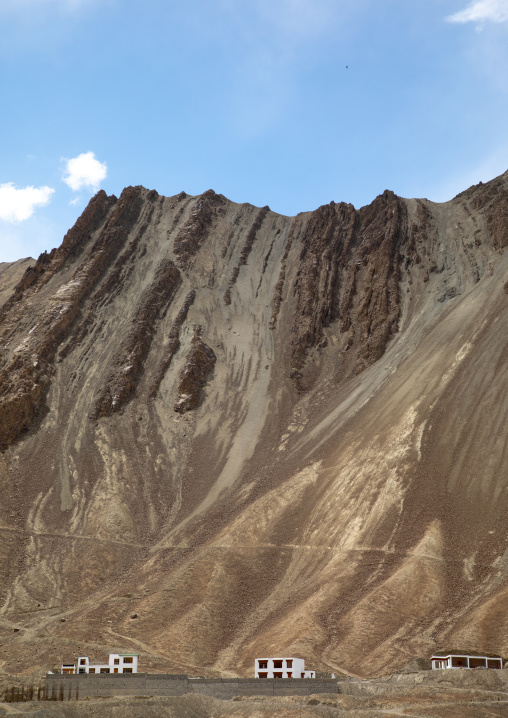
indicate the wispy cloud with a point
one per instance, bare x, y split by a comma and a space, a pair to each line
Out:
20, 4
84, 171
19, 204
281, 41
480, 11
298, 18
291, 21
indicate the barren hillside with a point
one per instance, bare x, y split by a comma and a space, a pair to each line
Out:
263, 435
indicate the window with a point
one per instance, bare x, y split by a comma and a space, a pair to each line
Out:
263, 675
494, 663
82, 661
82, 670
127, 670
459, 662
277, 675
263, 664
277, 664
117, 661
92, 670
477, 663
104, 670
127, 659
289, 663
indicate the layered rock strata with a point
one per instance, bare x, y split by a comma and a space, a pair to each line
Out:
263, 435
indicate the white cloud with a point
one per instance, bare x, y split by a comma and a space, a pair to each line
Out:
18, 204
84, 171
481, 11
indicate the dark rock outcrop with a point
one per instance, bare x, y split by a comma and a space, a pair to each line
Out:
198, 366
73, 244
348, 273
26, 376
173, 343
195, 231
246, 250
128, 363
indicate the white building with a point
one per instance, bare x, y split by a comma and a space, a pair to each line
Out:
458, 660
281, 668
118, 663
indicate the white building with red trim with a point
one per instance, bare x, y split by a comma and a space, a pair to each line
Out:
118, 663
465, 660
281, 668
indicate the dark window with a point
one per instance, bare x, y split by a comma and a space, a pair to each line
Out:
82, 670
477, 663
127, 670
277, 664
494, 663
92, 670
277, 675
289, 664
127, 659
104, 670
263, 675
82, 661
117, 661
459, 662
263, 664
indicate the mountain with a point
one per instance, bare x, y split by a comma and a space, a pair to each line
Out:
227, 433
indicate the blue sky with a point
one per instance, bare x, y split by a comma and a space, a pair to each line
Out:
250, 98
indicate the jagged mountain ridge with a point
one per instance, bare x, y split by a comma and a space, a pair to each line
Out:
263, 434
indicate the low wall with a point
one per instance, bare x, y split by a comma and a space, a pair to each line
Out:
72, 687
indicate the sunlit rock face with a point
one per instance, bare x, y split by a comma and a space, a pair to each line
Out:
263, 435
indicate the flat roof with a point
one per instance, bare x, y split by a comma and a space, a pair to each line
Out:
465, 655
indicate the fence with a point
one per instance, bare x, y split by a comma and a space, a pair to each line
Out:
73, 687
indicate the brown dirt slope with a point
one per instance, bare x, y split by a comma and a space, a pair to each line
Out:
337, 487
